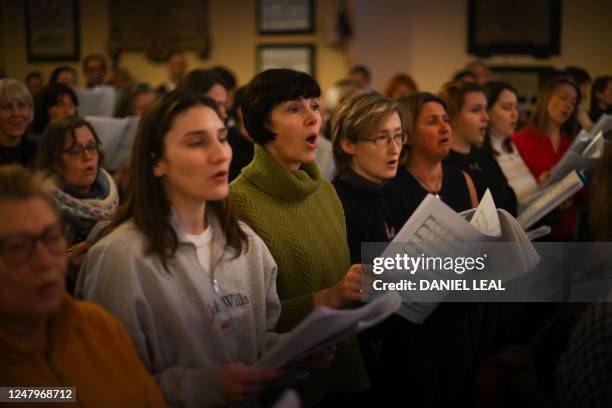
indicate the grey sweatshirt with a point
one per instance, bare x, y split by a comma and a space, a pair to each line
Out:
177, 321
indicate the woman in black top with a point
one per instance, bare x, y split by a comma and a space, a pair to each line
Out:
367, 137
467, 109
429, 139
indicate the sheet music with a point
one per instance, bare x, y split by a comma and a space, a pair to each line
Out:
110, 131
550, 199
325, 327
603, 125
122, 154
97, 101
436, 230
117, 136
485, 218
583, 154
595, 148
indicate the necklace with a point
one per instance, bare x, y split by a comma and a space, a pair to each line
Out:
437, 187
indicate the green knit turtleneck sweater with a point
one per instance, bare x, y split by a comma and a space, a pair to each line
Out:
300, 218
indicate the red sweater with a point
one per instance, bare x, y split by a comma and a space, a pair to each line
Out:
537, 151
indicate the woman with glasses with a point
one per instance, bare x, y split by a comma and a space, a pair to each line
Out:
48, 339
368, 139
283, 197
429, 139
69, 159
195, 288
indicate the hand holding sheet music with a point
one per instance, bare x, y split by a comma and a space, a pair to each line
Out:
584, 153
548, 199
436, 230
325, 327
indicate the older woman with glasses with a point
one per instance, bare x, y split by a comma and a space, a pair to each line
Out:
69, 158
46, 337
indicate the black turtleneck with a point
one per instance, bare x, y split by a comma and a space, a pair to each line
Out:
362, 202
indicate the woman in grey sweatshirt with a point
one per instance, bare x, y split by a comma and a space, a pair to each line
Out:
194, 287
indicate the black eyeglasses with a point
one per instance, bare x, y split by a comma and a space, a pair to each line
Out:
76, 152
17, 249
383, 141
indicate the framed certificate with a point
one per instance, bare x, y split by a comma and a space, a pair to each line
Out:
296, 57
517, 27
285, 16
52, 28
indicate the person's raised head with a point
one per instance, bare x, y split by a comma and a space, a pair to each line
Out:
467, 109
502, 105
367, 136
281, 112
180, 158
69, 150
555, 106
33, 251
16, 112
427, 126
206, 82
55, 101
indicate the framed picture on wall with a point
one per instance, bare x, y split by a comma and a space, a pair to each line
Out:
52, 30
514, 27
285, 16
296, 57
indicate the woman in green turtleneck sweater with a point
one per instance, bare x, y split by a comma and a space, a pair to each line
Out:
297, 213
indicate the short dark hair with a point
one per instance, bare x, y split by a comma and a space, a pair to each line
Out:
227, 76
57, 71
52, 142
461, 74
199, 81
361, 69
269, 89
599, 85
48, 97
579, 75
90, 57
33, 74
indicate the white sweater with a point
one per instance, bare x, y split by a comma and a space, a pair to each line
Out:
514, 168
170, 315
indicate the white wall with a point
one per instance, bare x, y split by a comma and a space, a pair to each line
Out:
428, 39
